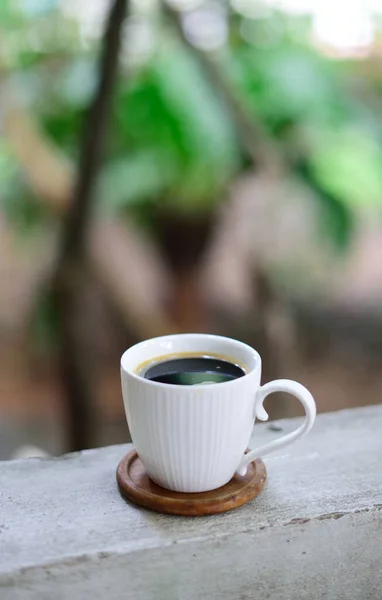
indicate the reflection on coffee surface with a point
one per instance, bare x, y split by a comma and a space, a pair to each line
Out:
192, 369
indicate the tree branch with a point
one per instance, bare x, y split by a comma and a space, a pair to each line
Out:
253, 136
77, 217
119, 253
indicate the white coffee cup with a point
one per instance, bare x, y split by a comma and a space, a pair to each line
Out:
194, 438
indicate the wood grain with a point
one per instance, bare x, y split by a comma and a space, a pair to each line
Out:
136, 486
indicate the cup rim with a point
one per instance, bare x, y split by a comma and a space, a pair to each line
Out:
246, 347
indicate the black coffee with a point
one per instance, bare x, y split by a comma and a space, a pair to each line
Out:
192, 370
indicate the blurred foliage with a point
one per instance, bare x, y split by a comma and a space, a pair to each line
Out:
173, 141
302, 98
177, 139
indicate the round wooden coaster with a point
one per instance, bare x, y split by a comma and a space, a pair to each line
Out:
135, 485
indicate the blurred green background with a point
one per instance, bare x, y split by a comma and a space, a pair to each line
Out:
240, 192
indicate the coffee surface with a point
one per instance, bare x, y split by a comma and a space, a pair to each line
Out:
191, 370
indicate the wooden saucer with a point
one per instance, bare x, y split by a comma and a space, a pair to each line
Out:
135, 485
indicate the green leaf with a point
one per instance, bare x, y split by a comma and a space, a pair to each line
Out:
170, 106
132, 180
64, 126
348, 165
288, 81
337, 219
205, 127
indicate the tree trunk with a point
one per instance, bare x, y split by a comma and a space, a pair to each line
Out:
71, 264
183, 240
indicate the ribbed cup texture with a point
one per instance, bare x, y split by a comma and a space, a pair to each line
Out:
190, 439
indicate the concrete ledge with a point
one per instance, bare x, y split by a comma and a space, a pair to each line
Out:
315, 531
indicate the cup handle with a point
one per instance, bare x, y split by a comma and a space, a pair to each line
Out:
306, 399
